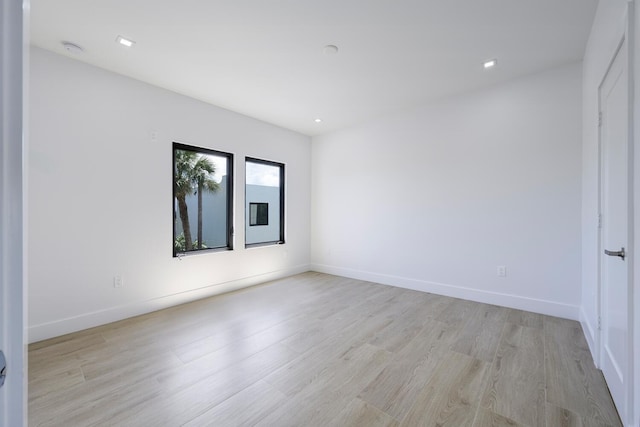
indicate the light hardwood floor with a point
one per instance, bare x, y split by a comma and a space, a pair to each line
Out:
320, 350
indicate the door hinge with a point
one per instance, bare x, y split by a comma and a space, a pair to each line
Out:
599, 220
599, 323
600, 119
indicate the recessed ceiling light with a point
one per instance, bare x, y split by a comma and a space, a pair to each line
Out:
318, 120
125, 42
330, 49
72, 48
490, 63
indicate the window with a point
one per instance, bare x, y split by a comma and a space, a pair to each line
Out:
264, 206
202, 199
258, 214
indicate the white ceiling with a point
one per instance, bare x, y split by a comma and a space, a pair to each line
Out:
264, 58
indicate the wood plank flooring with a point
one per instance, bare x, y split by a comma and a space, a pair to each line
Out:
321, 350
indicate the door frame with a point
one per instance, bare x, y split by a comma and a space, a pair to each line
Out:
626, 413
14, 16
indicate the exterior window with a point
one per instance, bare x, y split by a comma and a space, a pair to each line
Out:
258, 214
264, 206
202, 199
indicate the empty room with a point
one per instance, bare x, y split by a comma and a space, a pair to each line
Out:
338, 213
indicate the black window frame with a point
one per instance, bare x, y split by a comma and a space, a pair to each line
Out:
229, 198
281, 166
260, 214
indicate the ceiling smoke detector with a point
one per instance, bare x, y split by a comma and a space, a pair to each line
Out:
72, 48
330, 49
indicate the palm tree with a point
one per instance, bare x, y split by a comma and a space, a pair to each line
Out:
202, 175
182, 187
193, 174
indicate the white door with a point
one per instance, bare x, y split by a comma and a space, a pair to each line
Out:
12, 337
615, 209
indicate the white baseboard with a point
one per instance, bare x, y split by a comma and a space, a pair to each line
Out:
89, 320
589, 331
550, 308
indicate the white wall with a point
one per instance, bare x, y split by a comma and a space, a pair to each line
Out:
437, 197
101, 189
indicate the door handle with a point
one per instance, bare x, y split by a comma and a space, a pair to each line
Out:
619, 253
